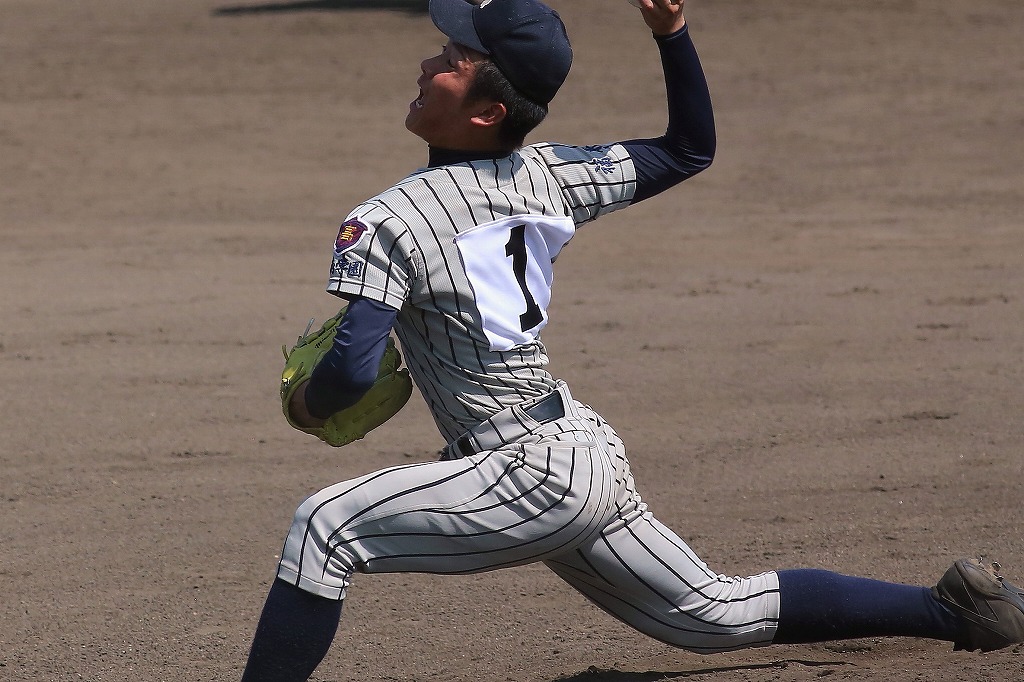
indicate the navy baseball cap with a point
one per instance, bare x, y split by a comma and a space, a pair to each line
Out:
525, 39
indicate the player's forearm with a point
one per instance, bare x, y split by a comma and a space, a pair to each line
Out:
688, 145
349, 368
691, 120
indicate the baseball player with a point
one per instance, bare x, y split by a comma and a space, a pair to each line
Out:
456, 259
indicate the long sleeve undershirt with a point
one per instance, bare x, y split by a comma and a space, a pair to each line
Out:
688, 145
349, 368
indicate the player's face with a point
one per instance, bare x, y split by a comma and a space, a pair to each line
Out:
441, 114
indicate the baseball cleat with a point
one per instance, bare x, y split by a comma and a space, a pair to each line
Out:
990, 609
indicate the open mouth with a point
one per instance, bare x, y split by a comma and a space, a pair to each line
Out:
418, 102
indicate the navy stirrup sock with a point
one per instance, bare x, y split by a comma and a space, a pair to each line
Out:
294, 633
818, 606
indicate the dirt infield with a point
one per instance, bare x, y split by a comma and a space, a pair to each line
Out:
814, 351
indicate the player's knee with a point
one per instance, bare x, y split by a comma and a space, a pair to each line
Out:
313, 517
724, 614
310, 521
316, 539
705, 637
304, 512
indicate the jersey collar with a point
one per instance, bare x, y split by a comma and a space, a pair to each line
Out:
445, 157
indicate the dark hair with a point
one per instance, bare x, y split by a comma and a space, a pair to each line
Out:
523, 115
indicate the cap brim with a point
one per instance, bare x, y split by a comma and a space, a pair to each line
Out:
454, 18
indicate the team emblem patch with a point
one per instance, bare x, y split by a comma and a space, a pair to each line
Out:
348, 236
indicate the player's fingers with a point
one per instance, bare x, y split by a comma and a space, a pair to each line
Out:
664, 17
670, 7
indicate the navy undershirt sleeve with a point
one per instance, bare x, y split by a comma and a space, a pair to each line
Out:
688, 145
349, 368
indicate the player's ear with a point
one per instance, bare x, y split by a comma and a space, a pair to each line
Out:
489, 114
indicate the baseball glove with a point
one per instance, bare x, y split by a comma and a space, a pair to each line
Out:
385, 398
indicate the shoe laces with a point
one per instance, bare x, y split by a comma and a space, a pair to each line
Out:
991, 567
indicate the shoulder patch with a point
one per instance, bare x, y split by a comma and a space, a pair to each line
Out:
349, 234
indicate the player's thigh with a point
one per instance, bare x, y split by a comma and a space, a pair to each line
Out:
494, 509
642, 573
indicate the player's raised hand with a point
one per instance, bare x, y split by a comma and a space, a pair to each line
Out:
664, 17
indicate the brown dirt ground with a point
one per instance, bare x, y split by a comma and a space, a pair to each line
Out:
813, 351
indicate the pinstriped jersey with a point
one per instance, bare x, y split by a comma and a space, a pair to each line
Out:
464, 252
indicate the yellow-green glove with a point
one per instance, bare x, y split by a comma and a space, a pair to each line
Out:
385, 398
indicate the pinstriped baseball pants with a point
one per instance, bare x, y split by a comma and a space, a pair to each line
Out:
559, 492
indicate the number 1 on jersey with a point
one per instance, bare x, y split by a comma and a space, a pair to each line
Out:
508, 266
516, 248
